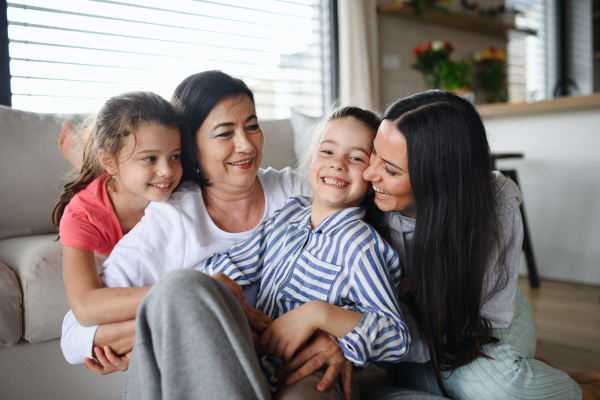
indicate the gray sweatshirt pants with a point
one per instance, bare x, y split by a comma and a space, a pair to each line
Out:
193, 342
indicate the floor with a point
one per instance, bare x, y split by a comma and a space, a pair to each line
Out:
567, 320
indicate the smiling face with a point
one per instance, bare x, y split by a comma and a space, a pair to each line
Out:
337, 167
148, 165
388, 171
229, 144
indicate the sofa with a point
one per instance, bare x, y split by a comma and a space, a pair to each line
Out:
32, 294
33, 301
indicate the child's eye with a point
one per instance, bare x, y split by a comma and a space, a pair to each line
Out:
150, 159
392, 173
357, 159
175, 156
327, 151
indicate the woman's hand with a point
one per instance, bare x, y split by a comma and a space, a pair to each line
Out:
589, 382
230, 284
287, 333
323, 350
107, 362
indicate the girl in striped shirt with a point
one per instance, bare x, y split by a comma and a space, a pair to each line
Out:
320, 265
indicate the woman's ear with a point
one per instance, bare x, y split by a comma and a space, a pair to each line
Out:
108, 162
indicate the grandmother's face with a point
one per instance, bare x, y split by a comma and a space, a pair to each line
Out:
388, 171
229, 144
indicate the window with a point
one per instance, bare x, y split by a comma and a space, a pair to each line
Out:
529, 56
69, 56
533, 71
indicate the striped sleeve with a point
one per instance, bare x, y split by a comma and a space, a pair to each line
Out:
245, 260
381, 334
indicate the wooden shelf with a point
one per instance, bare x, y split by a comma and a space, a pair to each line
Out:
559, 104
453, 19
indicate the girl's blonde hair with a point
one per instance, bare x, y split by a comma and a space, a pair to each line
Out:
118, 118
366, 117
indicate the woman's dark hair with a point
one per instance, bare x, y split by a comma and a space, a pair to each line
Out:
200, 93
457, 232
118, 118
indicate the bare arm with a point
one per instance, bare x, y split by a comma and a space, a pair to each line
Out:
119, 336
90, 302
335, 320
287, 333
112, 347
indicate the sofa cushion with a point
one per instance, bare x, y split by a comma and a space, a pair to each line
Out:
10, 307
28, 145
303, 126
37, 264
278, 151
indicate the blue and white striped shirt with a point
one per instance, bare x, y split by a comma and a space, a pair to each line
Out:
343, 261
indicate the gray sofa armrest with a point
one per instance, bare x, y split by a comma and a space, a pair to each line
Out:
10, 307
36, 262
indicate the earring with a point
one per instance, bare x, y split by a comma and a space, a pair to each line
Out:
114, 177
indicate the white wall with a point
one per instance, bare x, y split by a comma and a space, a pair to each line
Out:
560, 181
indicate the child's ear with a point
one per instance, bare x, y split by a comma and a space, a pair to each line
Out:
108, 162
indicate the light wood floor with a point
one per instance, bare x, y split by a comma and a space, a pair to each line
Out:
567, 320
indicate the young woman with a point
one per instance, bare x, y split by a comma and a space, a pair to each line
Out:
458, 230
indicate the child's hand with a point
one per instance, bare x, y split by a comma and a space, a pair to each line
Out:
290, 331
67, 144
231, 285
107, 362
258, 322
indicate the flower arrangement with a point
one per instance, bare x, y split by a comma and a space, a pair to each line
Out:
433, 60
491, 74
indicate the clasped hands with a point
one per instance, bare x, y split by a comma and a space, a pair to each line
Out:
290, 337
293, 336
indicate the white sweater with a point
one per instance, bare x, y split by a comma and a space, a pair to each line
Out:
175, 234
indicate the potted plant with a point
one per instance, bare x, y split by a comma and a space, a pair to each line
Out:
429, 58
420, 6
491, 74
433, 60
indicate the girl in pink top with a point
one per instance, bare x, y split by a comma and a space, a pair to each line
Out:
131, 156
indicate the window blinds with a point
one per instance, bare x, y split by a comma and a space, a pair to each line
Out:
69, 56
528, 58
